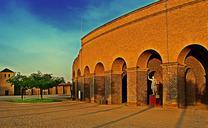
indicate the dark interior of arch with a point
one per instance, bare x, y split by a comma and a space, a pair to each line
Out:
124, 84
119, 82
196, 79
155, 69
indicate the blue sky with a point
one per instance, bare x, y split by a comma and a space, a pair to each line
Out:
45, 35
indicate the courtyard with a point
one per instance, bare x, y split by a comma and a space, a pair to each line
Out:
74, 114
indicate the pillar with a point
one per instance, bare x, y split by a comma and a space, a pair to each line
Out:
81, 86
92, 94
99, 88
131, 86
108, 87
87, 84
75, 88
142, 86
173, 84
52, 90
181, 85
60, 90
116, 87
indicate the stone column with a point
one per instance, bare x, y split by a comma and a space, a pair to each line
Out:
92, 83
99, 88
60, 90
142, 86
87, 82
181, 85
81, 86
75, 88
173, 84
116, 87
108, 86
131, 86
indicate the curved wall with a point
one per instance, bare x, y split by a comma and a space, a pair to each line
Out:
166, 27
167, 32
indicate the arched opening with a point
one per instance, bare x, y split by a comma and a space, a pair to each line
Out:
119, 81
87, 84
190, 90
99, 83
150, 63
124, 87
78, 73
194, 57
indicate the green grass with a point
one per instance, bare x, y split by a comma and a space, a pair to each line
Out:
35, 100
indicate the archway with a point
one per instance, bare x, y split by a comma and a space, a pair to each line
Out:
149, 63
78, 73
87, 84
99, 83
124, 87
119, 81
194, 57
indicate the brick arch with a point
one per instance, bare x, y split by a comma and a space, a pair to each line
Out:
79, 73
144, 58
86, 71
119, 81
194, 57
99, 83
150, 62
99, 69
118, 65
87, 82
75, 67
188, 49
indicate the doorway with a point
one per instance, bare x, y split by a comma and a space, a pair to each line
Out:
6, 92
124, 88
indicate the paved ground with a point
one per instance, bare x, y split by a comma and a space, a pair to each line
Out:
71, 114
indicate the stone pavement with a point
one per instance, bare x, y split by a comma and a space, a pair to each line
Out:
72, 114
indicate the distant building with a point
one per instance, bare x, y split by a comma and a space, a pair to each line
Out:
6, 88
61, 89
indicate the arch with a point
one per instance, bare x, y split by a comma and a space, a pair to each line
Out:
119, 65
99, 83
143, 59
190, 89
87, 82
86, 71
193, 49
73, 74
75, 67
150, 60
194, 57
119, 81
79, 73
99, 69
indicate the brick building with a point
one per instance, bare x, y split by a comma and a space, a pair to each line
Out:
6, 88
167, 39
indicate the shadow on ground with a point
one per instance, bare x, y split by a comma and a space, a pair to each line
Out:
123, 118
40, 113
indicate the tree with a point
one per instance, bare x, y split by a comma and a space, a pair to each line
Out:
57, 81
44, 81
21, 81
